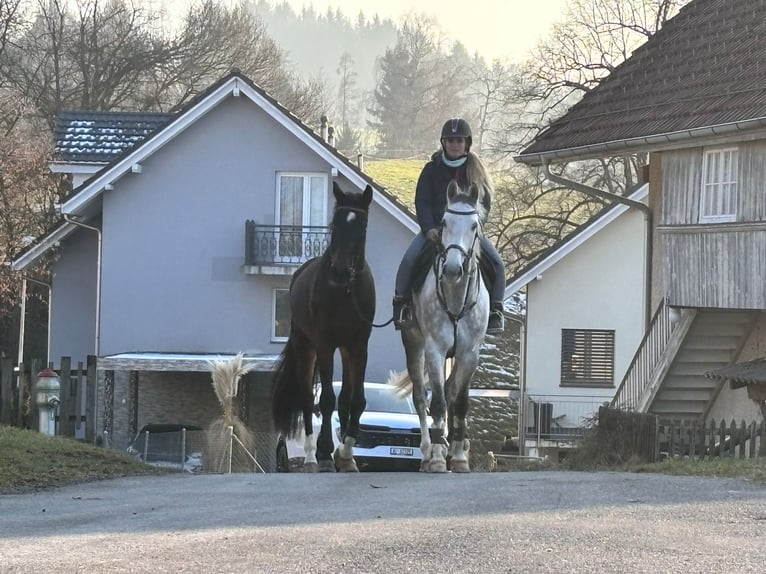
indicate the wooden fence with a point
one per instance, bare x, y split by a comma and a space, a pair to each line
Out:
76, 415
649, 438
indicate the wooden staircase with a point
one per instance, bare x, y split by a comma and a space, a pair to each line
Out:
713, 340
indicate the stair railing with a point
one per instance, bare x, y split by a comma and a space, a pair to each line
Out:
639, 374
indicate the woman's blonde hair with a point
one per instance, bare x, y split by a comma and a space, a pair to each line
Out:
476, 172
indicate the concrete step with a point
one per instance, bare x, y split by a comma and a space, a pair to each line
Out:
689, 382
695, 369
670, 394
702, 342
681, 409
703, 356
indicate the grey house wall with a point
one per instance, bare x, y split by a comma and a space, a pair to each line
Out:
173, 245
73, 297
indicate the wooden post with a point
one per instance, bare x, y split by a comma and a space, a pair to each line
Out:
91, 398
108, 405
133, 403
34, 415
762, 445
65, 394
78, 394
6, 391
20, 387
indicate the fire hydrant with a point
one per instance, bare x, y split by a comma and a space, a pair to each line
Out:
48, 388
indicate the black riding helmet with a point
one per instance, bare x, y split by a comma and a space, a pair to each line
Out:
457, 128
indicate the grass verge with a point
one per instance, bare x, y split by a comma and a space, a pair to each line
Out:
31, 461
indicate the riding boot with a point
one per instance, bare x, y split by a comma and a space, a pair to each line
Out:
402, 311
496, 321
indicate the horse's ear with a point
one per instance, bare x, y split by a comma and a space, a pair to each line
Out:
452, 190
337, 191
367, 195
474, 193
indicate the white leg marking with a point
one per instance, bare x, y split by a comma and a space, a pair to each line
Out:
309, 449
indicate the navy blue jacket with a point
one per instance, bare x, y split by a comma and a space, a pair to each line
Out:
431, 192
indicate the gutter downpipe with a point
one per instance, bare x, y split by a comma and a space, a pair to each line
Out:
68, 218
22, 319
643, 208
521, 320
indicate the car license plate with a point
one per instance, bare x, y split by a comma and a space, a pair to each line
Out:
401, 451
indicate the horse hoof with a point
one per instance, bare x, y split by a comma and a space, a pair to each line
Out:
459, 466
326, 466
437, 466
310, 467
345, 464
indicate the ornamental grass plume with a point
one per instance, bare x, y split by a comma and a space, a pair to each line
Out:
226, 375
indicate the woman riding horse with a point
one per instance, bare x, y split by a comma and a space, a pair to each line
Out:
454, 162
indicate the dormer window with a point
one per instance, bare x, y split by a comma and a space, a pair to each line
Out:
718, 202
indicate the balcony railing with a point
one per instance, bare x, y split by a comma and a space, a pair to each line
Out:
283, 245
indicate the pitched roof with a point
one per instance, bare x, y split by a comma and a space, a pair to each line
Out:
702, 73
565, 246
233, 84
101, 137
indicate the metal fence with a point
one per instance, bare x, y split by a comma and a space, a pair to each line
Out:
560, 417
200, 451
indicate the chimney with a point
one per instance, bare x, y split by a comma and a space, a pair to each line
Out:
323, 128
360, 161
331, 136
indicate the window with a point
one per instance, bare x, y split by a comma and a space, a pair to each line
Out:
301, 204
281, 314
587, 358
718, 202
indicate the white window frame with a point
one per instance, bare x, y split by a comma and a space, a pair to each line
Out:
299, 256
275, 294
718, 196
306, 220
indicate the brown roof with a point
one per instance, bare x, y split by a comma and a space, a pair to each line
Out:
705, 67
742, 374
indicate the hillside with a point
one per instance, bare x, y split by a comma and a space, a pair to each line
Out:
398, 176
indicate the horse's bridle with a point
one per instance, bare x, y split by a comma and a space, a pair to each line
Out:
357, 260
468, 256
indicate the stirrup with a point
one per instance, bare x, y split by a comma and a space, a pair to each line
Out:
402, 313
496, 323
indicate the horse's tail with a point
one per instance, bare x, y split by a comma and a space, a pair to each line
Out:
226, 374
401, 382
286, 393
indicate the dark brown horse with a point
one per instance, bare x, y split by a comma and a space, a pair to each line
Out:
332, 301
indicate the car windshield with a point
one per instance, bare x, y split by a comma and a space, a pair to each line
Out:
383, 400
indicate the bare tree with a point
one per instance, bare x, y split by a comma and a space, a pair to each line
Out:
591, 40
115, 55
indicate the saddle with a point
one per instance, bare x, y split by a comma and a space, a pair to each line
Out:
427, 257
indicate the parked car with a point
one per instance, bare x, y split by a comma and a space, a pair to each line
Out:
160, 445
389, 433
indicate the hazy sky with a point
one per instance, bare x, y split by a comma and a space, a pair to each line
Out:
494, 28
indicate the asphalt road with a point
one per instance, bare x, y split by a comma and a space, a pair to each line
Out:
527, 522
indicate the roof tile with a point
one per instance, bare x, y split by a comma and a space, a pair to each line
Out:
705, 67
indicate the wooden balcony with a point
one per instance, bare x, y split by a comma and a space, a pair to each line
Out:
281, 249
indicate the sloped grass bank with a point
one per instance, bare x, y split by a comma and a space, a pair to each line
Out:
31, 461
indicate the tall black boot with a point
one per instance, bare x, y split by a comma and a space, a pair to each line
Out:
402, 311
496, 322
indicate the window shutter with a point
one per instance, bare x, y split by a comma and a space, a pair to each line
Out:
587, 357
